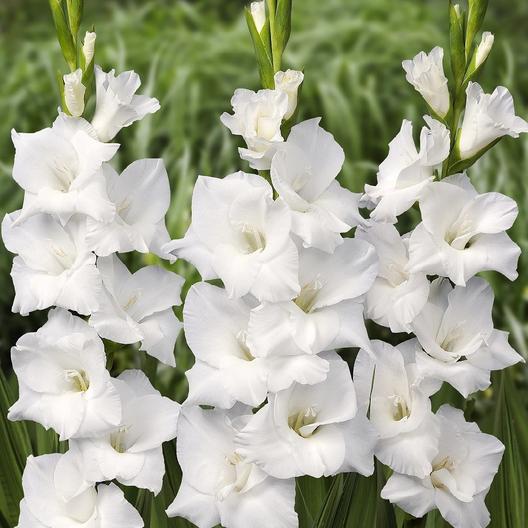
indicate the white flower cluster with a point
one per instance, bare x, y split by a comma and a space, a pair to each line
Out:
269, 397
285, 403
293, 293
77, 214
438, 459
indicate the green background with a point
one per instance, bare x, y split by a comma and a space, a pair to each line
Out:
192, 55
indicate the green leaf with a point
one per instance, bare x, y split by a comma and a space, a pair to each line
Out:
263, 59
331, 504
507, 497
280, 32
456, 42
309, 499
476, 14
365, 506
64, 36
75, 12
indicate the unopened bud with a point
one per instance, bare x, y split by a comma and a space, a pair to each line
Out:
88, 48
258, 12
484, 48
289, 82
74, 93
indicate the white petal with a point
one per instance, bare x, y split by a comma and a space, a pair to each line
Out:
114, 511
410, 494
213, 323
160, 331
195, 506
411, 453
271, 503
459, 514
360, 438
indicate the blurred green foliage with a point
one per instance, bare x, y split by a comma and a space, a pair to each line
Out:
192, 55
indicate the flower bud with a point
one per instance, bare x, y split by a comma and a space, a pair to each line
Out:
258, 12
88, 48
426, 73
484, 48
289, 82
74, 92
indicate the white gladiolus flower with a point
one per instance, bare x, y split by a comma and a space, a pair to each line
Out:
44, 507
399, 407
74, 91
406, 172
327, 313
88, 48
484, 48
138, 307
487, 118
426, 73
63, 380
462, 473
288, 82
240, 235
455, 329
397, 296
226, 371
117, 104
258, 12
130, 453
59, 168
257, 118
463, 232
141, 195
53, 266
311, 429
303, 172
219, 486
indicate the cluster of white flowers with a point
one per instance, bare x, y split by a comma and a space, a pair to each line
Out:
285, 403
77, 214
438, 459
269, 397
293, 293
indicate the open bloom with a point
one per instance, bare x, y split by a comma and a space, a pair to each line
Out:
406, 171
219, 486
397, 296
59, 168
462, 472
463, 232
288, 82
389, 387
132, 452
43, 506
311, 429
303, 172
240, 235
328, 311
117, 104
226, 371
138, 307
426, 73
53, 266
74, 91
487, 118
141, 195
460, 345
257, 118
62, 378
